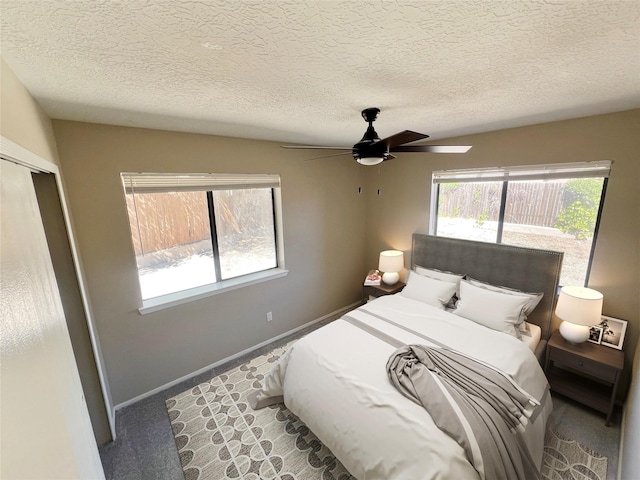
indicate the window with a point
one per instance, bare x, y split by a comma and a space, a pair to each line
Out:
190, 231
554, 207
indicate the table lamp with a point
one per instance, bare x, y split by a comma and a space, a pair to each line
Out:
579, 308
391, 262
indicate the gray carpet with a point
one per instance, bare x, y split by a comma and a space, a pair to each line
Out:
146, 449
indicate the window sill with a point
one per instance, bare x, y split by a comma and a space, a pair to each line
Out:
178, 298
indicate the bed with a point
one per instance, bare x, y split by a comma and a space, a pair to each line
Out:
337, 378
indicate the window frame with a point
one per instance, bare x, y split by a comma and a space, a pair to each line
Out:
159, 182
595, 169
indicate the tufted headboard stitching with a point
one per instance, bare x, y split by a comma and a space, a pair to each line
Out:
526, 269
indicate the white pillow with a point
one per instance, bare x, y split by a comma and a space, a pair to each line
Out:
439, 274
445, 277
534, 298
428, 290
496, 310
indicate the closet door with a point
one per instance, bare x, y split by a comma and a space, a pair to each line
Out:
46, 432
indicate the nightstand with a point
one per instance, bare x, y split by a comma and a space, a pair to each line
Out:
587, 372
380, 290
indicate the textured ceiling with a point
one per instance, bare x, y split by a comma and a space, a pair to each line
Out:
301, 71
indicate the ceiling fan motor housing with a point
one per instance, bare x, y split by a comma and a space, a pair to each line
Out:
369, 149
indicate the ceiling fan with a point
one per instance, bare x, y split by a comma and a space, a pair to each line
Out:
371, 150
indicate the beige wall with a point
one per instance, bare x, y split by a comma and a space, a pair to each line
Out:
324, 237
403, 205
22, 120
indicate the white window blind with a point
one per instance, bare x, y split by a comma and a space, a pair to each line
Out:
528, 172
176, 182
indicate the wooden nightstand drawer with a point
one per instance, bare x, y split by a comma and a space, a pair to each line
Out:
589, 367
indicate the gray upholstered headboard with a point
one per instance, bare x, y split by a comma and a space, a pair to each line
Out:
526, 269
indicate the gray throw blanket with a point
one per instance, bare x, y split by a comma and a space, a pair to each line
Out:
477, 406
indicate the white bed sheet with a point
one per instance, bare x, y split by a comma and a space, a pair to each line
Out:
335, 381
533, 339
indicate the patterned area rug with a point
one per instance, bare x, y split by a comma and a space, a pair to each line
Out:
219, 436
566, 459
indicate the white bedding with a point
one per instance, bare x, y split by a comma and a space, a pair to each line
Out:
335, 381
533, 338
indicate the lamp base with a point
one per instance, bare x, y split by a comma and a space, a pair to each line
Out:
390, 278
573, 333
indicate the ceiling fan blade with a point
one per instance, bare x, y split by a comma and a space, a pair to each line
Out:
313, 147
403, 137
328, 156
432, 148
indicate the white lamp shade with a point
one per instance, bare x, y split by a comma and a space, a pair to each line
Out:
370, 161
579, 308
580, 305
391, 262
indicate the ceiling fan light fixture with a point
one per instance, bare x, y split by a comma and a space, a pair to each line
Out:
369, 161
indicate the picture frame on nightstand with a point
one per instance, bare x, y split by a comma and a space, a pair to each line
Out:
595, 334
613, 332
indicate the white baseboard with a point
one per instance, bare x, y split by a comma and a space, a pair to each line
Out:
232, 357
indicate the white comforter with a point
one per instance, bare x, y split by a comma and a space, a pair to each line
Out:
335, 381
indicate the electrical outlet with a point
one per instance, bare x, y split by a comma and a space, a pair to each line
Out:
269, 317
